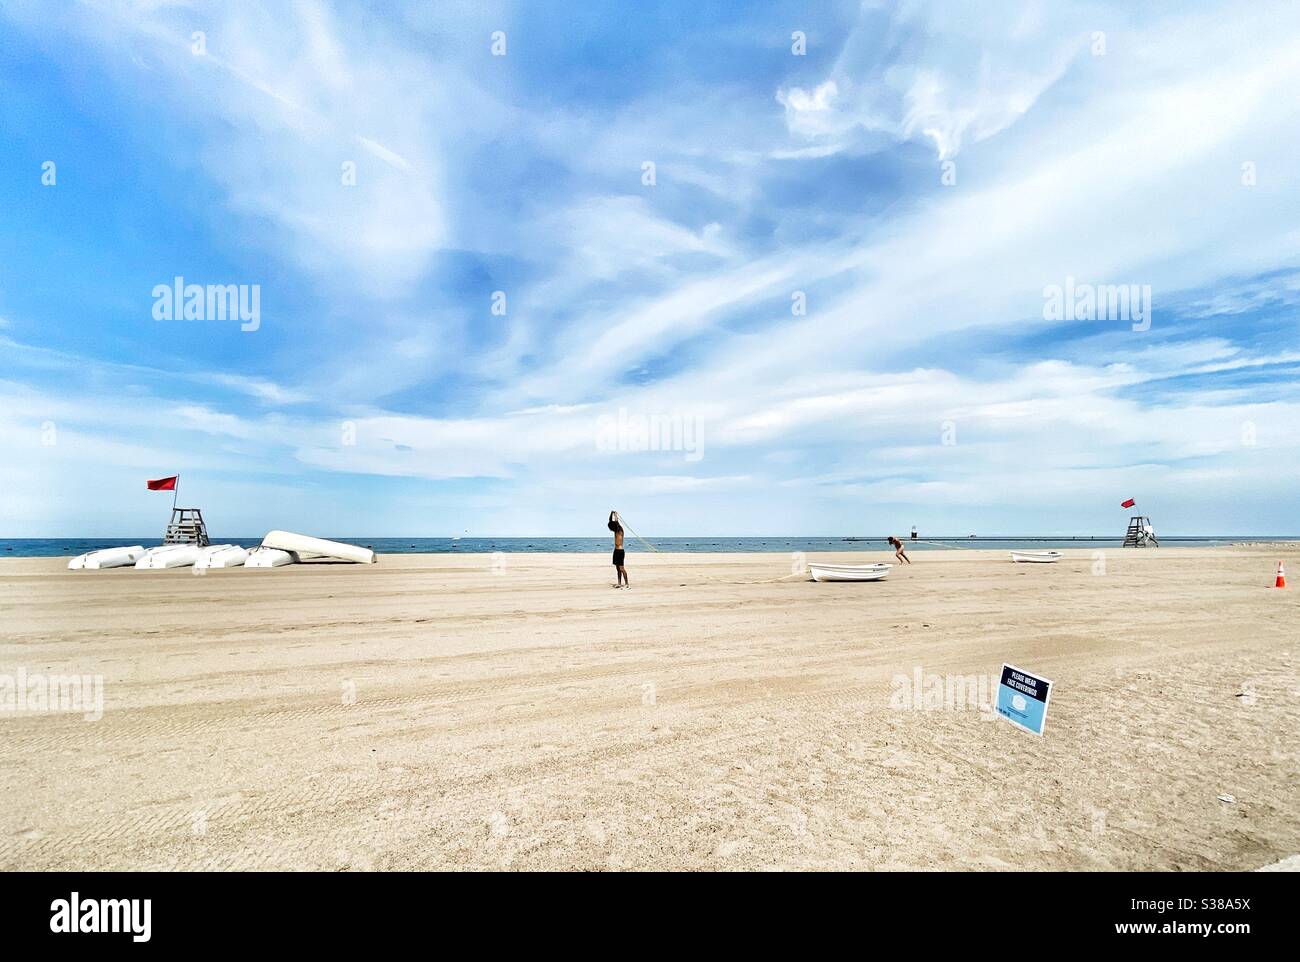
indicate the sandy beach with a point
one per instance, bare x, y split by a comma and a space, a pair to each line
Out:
466, 712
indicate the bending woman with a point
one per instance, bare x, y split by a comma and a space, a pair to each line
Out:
899, 551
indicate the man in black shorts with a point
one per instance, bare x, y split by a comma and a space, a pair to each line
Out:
617, 528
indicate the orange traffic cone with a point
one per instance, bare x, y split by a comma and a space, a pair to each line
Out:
1281, 576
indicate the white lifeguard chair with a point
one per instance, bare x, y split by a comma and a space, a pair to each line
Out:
1141, 532
187, 527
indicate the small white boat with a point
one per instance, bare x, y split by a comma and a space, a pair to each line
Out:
872, 572
269, 558
221, 556
305, 546
1036, 557
169, 556
107, 558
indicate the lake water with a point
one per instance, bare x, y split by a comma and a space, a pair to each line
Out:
57, 547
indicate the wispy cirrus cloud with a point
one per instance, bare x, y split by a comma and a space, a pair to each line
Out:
780, 181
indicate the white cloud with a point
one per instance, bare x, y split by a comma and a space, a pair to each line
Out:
810, 113
1120, 168
279, 101
261, 389
966, 73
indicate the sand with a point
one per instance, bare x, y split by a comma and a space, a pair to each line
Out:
444, 711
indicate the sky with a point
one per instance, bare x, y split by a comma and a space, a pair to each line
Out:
733, 269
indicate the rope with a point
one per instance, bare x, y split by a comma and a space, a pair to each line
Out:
770, 581
637, 536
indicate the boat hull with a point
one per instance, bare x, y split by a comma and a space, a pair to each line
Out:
221, 556
873, 572
169, 556
305, 546
269, 558
1036, 557
107, 558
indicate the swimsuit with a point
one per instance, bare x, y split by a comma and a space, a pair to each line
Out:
618, 558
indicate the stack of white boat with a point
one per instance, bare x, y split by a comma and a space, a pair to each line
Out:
278, 548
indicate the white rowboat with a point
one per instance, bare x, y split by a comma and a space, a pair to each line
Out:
169, 556
270, 558
107, 558
221, 556
308, 547
1036, 557
872, 572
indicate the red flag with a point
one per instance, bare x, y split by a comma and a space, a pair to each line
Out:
1128, 504
163, 484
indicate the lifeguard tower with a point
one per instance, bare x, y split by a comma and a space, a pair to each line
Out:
1141, 532
187, 527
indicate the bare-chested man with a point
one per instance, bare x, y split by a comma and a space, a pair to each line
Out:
616, 526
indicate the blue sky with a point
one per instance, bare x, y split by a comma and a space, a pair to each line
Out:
918, 177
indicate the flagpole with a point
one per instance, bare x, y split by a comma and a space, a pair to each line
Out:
176, 490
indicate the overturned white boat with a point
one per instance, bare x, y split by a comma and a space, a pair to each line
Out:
1036, 557
221, 556
169, 556
269, 558
305, 546
826, 572
107, 558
